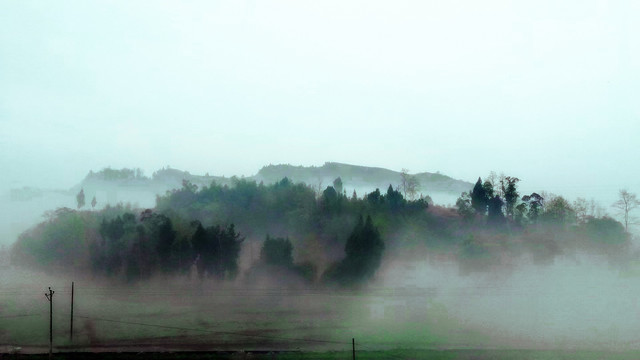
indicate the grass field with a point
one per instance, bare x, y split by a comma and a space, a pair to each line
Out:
174, 316
346, 355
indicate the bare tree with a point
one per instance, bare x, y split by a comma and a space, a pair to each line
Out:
626, 203
409, 184
491, 178
404, 179
581, 206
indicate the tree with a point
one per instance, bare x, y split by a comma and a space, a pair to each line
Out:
217, 250
558, 211
394, 199
464, 204
495, 215
277, 251
519, 213
626, 203
318, 188
488, 189
80, 198
409, 183
330, 200
93, 203
162, 237
534, 203
605, 230
491, 179
337, 185
363, 250
503, 184
510, 194
581, 206
374, 197
479, 199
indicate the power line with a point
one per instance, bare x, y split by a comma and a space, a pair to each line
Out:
19, 315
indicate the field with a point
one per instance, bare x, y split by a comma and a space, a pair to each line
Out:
384, 354
179, 314
456, 318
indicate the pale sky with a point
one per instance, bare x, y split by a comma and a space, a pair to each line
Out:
543, 90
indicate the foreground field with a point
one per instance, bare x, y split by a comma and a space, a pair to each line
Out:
171, 315
552, 311
388, 354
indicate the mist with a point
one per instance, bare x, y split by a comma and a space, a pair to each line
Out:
580, 303
204, 129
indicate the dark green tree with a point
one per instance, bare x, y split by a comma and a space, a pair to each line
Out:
162, 237
534, 203
277, 251
394, 199
488, 190
330, 200
217, 250
511, 195
374, 198
479, 199
363, 250
495, 215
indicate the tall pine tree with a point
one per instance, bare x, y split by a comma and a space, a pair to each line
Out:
479, 199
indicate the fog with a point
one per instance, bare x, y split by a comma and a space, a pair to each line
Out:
18, 215
570, 304
578, 303
543, 91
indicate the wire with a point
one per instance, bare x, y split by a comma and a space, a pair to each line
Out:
19, 315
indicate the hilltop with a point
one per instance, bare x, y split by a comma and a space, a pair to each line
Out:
360, 177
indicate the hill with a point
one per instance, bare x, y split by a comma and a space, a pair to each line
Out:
120, 185
360, 177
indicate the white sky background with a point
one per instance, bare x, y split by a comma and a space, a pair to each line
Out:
547, 91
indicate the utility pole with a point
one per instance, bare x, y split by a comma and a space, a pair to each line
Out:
49, 297
71, 327
353, 347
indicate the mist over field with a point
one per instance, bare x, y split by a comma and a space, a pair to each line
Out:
282, 266
288, 175
573, 304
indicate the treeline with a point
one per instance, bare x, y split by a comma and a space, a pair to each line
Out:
497, 221
201, 231
327, 237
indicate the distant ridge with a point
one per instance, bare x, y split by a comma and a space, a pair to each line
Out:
356, 176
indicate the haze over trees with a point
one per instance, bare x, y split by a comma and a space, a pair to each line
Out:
317, 238
363, 251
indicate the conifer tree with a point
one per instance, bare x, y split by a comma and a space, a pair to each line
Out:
479, 199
